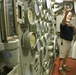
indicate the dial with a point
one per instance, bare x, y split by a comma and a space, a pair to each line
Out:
35, 6
32, 40
69, 5
37, 11
48, 27
42, 27
38, 45
30, 16
48, 4
43, 41
38, 28
28, 42
45, 26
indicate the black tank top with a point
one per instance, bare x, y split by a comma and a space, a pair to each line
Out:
66, 32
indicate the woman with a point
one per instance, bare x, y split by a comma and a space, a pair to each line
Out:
66, 35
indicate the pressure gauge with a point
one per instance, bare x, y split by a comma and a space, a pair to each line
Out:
42, 41
37, 11
49, 17
44, 4
38, 28
32, 40
29, 16
45, 26
47, 37
38, 44
42, 27
35, 6
46, 16
28, 42
48, 4
69, 5
48, 27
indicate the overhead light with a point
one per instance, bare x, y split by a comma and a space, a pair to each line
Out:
58, 1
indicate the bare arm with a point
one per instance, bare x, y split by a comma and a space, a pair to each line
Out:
66, 10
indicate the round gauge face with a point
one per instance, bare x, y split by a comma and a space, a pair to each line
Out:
30, 16
32, 40
48, 27
38, 45
37, 9
38, 28
69, 5
45, 26
48, 4
42, 26
42, 41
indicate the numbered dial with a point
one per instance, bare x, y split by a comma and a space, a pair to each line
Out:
29, 16
32, 40
37, 10
38, 45
35, 6
69, 5
48, 4
28, 42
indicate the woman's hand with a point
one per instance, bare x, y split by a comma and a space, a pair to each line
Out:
66, 10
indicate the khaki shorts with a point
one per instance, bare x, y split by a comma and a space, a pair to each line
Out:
64, 48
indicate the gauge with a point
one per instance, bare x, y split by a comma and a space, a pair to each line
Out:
35, 6
46, 16
43, 41
44, 4
69, 5
38, 44
32, 40
37, 11
42, 27
28, 42
38, 28
48, 4
45, 26
48, 27
47, 38
29, 16
49, 17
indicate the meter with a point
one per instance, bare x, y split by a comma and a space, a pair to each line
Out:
48, 4
38, 44
69, 5
29, 16
9, 24
35, 6
38, 27
48, 27
28, 42
43, 42
42, 27
45, 26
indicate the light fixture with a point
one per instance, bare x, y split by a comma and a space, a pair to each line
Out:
58, 1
